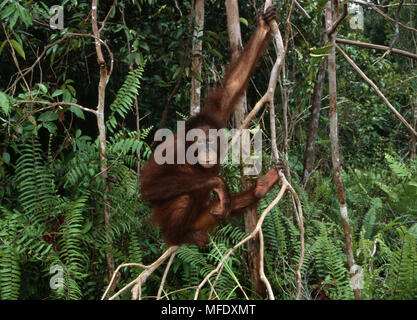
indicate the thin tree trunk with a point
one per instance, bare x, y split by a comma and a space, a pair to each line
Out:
413, 137
335, 140
313, 126
284, 97
122, 11
250, 214
104, 76
196, 61
413, 151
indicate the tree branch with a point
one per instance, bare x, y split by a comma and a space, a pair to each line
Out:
377, 47
53, 104
104, 77
396, 32
338, 21
250, 236
374, 6
373, 85
302, 9
161, 287
137, 283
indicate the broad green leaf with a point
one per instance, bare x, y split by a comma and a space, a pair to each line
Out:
71, 90
322, 50
144, 46
32, 120
57, 93
176, 73
244, 21
16, 45
4, 103
50, 126
13, 19
6, 157
67, 96
2, 46
113, 12
139, 59
217, 53
25, 16
48, 116
42, 87
8, 11
78, 112
118, 28
322, 3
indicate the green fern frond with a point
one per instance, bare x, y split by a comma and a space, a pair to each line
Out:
125, 97
399, 168
369, 219
403, 275
330, 263
36, 185
10, 273
72, 253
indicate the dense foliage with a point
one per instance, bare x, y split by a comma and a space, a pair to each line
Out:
51, 188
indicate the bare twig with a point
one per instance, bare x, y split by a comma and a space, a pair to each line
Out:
300, 219
396, 32
137, 283
100, 42
378, 91
178, 8
212, 285
396, 4
377, 47
261, 268
38, 59
335, 25
16, 62
374, 6
115, 273
103, 23
53, 104
302, 9
250, 236
161, 287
